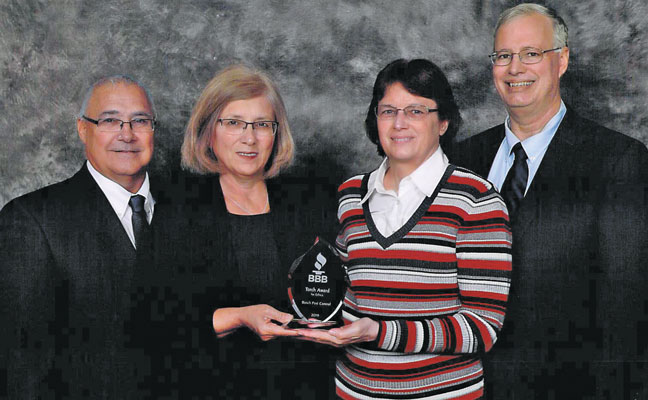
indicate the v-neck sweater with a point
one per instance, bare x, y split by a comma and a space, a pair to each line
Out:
438, 288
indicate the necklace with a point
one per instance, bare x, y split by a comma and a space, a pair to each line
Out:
248, 212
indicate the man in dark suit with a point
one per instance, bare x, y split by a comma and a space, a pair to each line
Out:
68, 255
576, 323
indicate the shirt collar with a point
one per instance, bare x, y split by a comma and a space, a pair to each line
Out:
426, 177
375, 182
117, 196
536, 144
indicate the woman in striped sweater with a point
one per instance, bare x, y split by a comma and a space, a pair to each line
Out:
428, 250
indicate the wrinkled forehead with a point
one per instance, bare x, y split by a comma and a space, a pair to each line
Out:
119, 98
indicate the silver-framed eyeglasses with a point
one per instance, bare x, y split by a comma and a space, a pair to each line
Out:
412, 112
115, 125
235, 126
528, 55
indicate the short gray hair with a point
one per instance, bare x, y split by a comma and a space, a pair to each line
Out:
524, 9
115, 79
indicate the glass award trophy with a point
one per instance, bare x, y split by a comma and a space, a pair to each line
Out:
317, 284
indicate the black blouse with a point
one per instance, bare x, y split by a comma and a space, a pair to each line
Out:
215, 259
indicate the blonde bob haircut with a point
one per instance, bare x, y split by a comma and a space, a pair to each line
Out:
237, 82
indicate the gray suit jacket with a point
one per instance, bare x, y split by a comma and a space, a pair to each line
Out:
577, 320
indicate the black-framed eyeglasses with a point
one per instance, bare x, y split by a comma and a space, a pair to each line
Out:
413, 112
235, 126
528, 55
115, 125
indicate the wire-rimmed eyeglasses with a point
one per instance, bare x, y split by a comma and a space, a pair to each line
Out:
528, 55
414, 111
237, 126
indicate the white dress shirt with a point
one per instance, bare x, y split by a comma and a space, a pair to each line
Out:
118, 197
390, 210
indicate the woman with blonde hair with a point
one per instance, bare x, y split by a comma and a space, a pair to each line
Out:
237, 142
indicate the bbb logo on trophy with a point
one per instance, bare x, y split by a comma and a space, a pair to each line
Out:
318, 275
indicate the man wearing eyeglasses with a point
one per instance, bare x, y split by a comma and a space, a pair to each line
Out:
68, 255
576, 320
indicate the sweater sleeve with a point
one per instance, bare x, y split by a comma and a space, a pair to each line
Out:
483, 257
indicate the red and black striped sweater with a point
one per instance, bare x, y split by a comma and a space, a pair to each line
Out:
438, 286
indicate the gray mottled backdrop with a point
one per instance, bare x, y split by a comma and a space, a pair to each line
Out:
324, 56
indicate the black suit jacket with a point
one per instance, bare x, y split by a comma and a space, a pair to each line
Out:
67, 267
576, 321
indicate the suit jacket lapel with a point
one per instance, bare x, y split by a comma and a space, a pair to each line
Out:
558, 156
100, 212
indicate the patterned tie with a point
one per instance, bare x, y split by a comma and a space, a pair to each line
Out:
140, 224
516, 180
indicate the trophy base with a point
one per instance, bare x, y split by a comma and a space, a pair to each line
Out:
303, 323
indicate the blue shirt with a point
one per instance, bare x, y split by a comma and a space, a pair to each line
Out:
534, 146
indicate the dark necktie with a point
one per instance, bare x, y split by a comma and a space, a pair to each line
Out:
140, 224
516, 180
